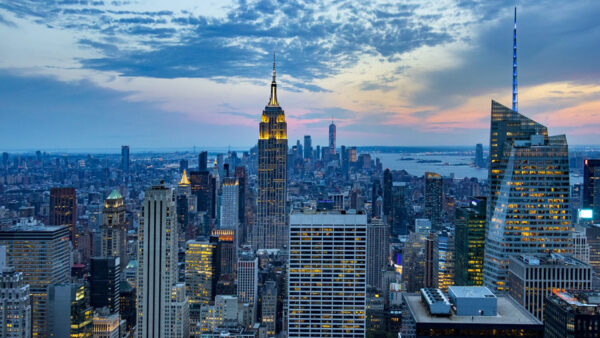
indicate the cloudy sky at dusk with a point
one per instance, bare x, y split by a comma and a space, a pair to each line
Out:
156, 74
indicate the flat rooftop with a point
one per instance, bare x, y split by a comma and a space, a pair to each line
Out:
472, 292
509, 313
545, 260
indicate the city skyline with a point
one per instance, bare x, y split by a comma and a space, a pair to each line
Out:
152, 75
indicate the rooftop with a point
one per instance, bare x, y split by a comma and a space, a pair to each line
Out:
509, 312
551, 259
471, 292
114, 195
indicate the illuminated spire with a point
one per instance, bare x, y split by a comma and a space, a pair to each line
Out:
273, 100
184, 179
514, 93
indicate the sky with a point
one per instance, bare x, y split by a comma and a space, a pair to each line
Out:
174, 74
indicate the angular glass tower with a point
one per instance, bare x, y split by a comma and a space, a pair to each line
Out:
528, 208
271, 230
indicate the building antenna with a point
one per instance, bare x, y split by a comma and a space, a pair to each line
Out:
515, 87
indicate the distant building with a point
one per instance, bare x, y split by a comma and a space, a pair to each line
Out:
203, 161
43, 255
327, 267
533, 277
445, 259
332, 139
106, 325
478, 313
63, 210
592, 234
470, 242
434, 204
125, 158
114, 229
229, 206
479, 160
308, 149
572, 314
247, 279
398, 215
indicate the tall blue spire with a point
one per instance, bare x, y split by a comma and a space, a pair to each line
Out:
515, 88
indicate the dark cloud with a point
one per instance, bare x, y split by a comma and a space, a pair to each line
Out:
310, 45
554, 44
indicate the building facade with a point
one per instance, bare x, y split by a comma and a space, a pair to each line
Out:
15, 304
43, 255
434, 199
470, 242
114, 229
327, 275
378, 252
533, 277
572, 314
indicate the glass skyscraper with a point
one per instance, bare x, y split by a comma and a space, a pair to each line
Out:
528, 209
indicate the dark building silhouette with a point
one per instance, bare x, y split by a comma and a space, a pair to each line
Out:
105, 282
63, 209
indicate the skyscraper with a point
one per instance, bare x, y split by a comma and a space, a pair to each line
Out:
327, 275
242, 176
591, 184
203, 161
63, 209
229, 204
528, 207
114, 229
378, 250
202, 270
387, 193
308, 150
271, 230
43, 255
332, 136
479, 161
529, 193
105, 282
434, 204
247, 280
15, 304
69, 315
470, 241
125, 158
157, 263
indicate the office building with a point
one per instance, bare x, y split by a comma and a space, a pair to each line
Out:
227, 252
114, 229
572, 314
105, 283
445, 259
532, 278
63, 210
244, 212
202, 187
203, 161
15, 303
106, 324
387, 194
43, 255
327, 267
476, 313
179, 320
470, 242
68, 313
268, 321
247, 279
308, 149
157, 263
229, 204
378, 252
128, 305
479, 160
125, 158
434, 204
271, 229
581, 248
202, 270
332, 139
591, 184
592, 233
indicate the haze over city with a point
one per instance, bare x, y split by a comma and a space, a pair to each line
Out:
154, 74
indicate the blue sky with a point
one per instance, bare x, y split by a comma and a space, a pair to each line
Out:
157, 74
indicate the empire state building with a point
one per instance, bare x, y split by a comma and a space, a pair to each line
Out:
271, 229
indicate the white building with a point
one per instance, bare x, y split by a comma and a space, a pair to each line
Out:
157, 264
106, 325
327, 274
247, 281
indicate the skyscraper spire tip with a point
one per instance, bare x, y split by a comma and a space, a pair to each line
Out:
515, 105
